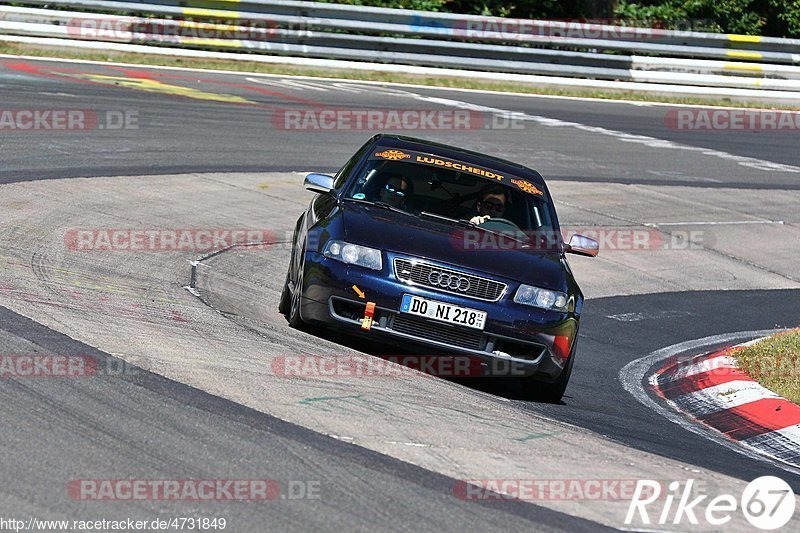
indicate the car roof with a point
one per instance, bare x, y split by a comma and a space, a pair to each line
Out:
466, 156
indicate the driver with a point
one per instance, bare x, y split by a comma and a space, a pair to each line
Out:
491, 202
395, 191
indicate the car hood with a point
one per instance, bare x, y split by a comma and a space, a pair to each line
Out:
444, 242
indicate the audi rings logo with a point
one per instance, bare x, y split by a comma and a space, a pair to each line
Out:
448, 281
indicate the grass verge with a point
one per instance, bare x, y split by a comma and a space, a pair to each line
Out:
388, 77
774, 363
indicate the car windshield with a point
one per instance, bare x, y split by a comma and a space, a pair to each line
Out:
430, 186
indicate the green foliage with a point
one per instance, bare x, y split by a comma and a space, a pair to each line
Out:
779, 18
729, 16
499, 8
556, 9
786, 22
423, 5
775, 363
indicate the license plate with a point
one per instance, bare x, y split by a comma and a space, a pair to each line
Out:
443, 312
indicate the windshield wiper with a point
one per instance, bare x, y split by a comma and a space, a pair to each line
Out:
460, 222
467, 224
382, 205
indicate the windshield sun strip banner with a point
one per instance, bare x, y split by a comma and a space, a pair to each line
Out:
421, 158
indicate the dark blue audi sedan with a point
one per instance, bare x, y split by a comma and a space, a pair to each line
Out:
442, 249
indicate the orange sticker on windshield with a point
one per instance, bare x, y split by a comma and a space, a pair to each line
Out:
527, 186
393, 155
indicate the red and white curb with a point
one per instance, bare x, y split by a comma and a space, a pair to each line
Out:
712, 389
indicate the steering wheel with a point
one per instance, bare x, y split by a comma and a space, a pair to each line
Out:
500, 224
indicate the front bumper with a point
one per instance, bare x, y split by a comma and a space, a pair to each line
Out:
515, 338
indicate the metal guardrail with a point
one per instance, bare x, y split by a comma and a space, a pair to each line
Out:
346, 32
425, 22
435, 24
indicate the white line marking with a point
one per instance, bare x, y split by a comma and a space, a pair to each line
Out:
346, 88
645, 140
264, 82
288, 83
636, 317
680, 176
713, 223
632, 376
304, 85
67, 95
340, 437
192, 291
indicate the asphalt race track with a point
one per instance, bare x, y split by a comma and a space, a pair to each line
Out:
197, 397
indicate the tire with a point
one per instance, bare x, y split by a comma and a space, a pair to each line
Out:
296, 295
285, 302
284, 305
550, 392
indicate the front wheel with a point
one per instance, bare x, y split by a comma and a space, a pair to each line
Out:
550, 392
285, 303
294, 318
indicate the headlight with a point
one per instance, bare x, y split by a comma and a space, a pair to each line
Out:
542, 298
353, 254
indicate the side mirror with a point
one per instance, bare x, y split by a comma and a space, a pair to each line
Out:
578, 244
321, 183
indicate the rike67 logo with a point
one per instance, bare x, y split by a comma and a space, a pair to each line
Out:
767, 503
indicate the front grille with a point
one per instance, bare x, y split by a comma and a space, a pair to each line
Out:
421, 273
429, 330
